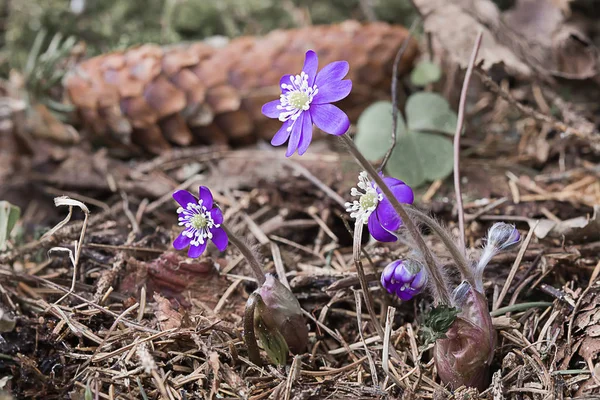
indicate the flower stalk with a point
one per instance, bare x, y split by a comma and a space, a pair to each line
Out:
248, 255
458, 255
441, 294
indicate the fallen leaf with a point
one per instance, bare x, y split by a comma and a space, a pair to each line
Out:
579, 229
454, 31
167, 316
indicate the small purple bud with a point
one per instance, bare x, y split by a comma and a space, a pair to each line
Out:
502, 236
404, 278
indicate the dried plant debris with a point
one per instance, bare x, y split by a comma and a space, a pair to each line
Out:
534, 37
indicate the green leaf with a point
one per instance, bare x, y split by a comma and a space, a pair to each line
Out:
419, 157
9, 215
425, 73
437, 322
430, 112
373, 130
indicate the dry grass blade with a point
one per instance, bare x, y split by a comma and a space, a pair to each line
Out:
358, 304
515, 267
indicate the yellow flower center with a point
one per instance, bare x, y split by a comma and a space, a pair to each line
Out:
368, 200
298, 100
198, 221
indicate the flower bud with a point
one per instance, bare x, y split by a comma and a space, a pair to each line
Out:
268, 332
464, 355
502, 236
404, 278
286, 313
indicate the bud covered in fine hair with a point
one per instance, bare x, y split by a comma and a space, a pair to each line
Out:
464, 355
286, 313
502, 236
404, 278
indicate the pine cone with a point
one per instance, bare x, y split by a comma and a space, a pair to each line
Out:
157, 96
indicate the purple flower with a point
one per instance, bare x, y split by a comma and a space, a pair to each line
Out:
305, 100
404, 278
374, 209
202, 221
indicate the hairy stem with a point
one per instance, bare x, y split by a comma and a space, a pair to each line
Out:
441, 293
248, 255
455, 252
457, 134
249, 335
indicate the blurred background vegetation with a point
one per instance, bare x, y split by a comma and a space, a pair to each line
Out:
106, 25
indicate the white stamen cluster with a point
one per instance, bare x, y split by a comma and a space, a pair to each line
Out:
197, 221
367, 202
297, 98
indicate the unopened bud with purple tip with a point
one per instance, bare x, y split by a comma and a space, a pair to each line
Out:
404, 278
502, 236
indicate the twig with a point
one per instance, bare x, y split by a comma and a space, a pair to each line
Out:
399, 55
385, 357
358, 303
279, 267
586, 129
248, 255
441, 293
457, 134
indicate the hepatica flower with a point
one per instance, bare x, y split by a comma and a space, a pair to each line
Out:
202, 221
374, 209
305, 100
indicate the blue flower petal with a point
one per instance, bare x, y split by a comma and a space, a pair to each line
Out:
295, 135
329, 118
282, 134
220, 238
385, 211
311, 63
270, 109
183, 197
181, 242
217, 216
306, 137
196, 251
331, 92
377, 231
206, 197
335, 71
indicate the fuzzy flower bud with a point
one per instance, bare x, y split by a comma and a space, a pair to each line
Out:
464, 355
502, 236
286, 313
405, 278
